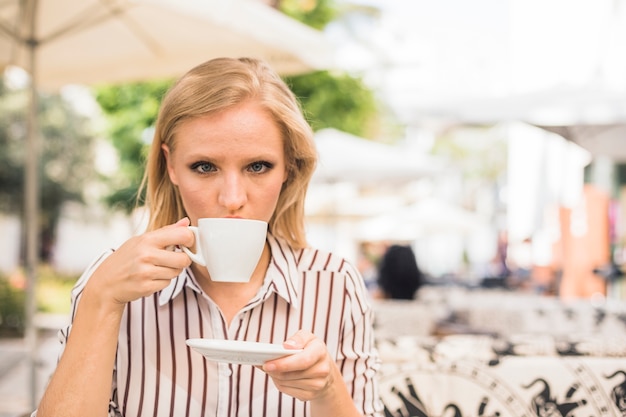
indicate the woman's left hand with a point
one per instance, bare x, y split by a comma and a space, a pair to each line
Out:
306, 375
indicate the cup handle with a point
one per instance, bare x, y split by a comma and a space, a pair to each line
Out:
196, 257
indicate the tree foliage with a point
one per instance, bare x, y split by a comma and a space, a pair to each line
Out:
315, 13
131, 109
332, 99
336, 100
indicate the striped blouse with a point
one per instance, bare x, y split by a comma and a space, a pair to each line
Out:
156, 374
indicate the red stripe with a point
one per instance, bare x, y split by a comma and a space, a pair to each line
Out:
157, 341
143, 354
173, 356
205, 379
189, 367
129, 348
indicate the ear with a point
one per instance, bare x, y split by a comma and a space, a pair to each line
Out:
168, 160
285, 176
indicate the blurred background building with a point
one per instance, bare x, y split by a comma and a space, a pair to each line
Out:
525, 101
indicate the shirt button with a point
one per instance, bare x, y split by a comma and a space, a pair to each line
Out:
225, 371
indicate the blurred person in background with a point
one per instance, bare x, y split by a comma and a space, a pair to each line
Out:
399, 277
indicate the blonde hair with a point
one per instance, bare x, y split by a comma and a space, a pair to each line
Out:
210, 88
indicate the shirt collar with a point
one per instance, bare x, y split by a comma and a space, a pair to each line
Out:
282, 275
175, 287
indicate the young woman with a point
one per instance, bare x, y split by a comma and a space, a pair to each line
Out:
230, 141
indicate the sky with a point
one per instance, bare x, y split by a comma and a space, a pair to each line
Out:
426, 52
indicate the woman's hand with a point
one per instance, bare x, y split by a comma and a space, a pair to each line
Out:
142, 265
306, 375
312, 375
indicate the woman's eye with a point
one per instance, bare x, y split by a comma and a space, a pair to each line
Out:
203, 167
261, 166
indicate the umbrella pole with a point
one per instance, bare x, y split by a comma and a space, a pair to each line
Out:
31, 219
32, 241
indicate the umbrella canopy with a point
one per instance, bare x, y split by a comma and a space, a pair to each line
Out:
427, 217
599, 139
89, 41
345, 157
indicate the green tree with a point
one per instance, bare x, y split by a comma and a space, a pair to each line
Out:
315, 13
336, 100
66, 156
131, 110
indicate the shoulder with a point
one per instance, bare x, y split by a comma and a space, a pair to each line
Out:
82, 280
311, 261
332, 273
320, 260
314, 270
325, 266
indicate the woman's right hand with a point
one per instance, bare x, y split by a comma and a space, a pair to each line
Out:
141, 266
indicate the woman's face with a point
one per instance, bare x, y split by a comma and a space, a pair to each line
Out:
231, 164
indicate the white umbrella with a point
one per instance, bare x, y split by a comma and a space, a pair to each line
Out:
87, 41
345, 157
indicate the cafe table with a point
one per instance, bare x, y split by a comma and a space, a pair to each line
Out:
516, 376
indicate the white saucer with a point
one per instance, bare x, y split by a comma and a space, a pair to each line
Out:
241, 352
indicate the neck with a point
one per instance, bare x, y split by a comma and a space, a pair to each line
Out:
231, 297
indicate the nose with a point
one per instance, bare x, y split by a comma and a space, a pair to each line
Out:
232, 194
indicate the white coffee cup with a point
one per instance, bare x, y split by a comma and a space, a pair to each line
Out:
229, 248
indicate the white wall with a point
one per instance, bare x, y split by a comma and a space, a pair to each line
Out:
9, 243
84, 233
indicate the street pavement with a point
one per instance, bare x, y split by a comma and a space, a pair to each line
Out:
15, 369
